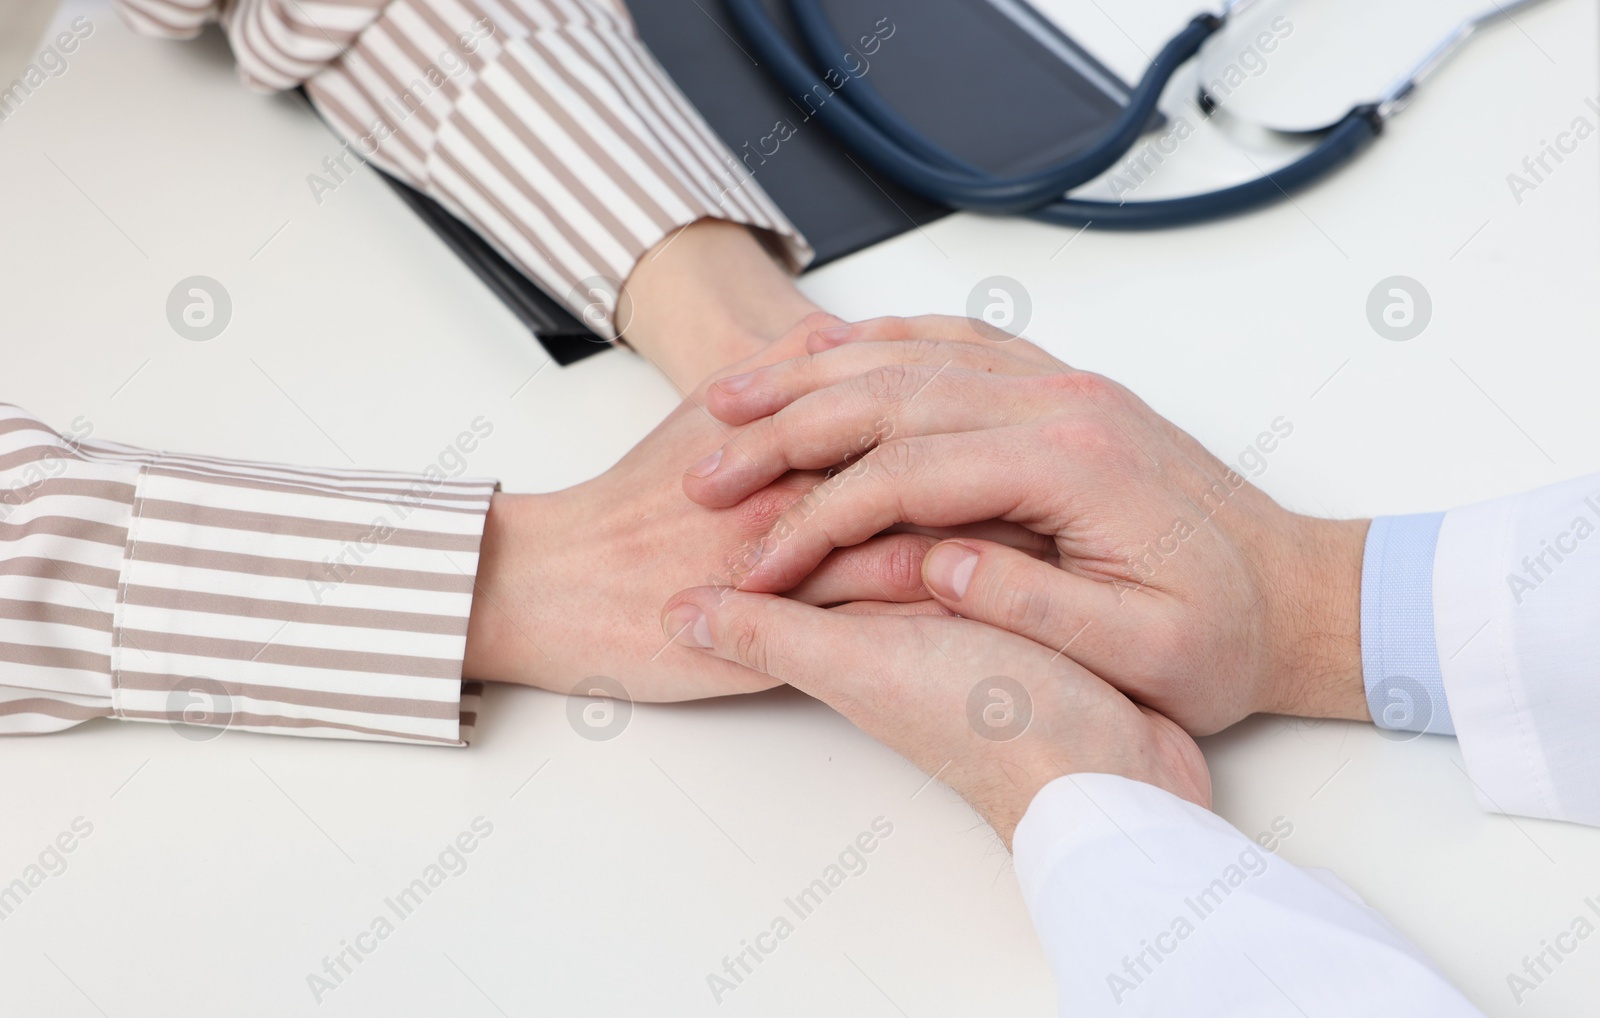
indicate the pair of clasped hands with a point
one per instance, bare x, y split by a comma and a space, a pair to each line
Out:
892, 515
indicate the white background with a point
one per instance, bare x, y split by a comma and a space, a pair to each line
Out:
219, 874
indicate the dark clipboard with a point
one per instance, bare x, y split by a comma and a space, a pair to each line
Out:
993, 81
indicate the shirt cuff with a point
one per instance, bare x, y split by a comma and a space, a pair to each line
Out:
216, 594
327, 603
1515, 584
1399, 653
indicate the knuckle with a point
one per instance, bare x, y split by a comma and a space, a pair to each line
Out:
1021, 606
797, 375
987, 332
767, 439
894, 460
1090, 387
763, 508
894, 326
939, 324
1087, 437
750, 646
889, 383
920, 350
902, 564
885, 329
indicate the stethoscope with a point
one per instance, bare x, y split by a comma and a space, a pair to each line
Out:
869, 127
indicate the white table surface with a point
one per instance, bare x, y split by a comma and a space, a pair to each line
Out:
219, 874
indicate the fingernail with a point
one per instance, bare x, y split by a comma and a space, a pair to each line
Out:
687, 625
707, 466
735, 384
949, 570
835, 334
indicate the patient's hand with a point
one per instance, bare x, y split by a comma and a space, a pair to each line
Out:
1180, 583
993, 715
571, 584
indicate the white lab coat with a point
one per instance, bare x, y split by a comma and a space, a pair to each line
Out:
1149, 905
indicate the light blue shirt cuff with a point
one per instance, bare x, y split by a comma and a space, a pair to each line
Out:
1399, 655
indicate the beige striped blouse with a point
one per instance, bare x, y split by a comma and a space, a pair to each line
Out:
157, 587
544, 124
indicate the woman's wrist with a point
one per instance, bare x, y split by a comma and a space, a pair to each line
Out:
705, 297
503, 641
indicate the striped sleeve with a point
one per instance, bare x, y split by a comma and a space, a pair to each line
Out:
545, 125
148, 586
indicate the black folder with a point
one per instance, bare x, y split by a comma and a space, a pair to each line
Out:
992, 81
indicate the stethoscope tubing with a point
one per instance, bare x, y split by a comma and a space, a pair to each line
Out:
1341, 144
871, 128
949, 185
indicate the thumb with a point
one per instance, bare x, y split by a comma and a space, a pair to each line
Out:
1012, 590
812, 649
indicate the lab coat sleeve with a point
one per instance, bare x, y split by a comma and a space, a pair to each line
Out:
1149, 905
545, 125
147, 586
1516, 604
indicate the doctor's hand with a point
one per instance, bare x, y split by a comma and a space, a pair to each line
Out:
1176, 580
991, 714
570, 585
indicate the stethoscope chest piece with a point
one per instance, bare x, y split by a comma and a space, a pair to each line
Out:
1297, 67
